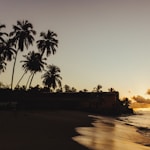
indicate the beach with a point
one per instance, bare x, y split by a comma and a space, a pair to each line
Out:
66, 130
41, 130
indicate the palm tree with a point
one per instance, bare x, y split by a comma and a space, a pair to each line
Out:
48, 43
6, 50
67, 88
52, 77
97, 88
111, 90
34, 63
22, 36
73, 90
6, 54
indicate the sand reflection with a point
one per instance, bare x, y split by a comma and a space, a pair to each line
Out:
107, 133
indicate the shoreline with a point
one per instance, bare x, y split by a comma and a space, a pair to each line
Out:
61, 129
110, 133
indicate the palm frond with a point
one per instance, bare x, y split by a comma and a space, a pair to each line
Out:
2, 40
19, 23
42, 34
16, 28
2, 26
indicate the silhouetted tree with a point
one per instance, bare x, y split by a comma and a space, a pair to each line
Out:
22, 36
67, 88
20, 88
34, 63
85, 90
97, 88
35, 88
73, 89
6, 50
111, 90
59, 90
48, 43
52, 78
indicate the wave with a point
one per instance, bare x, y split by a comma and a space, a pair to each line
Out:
138, 122
144, 130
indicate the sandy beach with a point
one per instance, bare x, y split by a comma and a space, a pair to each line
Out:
64, 130
40, 130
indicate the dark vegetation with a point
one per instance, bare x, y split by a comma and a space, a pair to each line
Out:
52, 95
106, 103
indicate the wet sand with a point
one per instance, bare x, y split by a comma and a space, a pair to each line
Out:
41, 130
109, 133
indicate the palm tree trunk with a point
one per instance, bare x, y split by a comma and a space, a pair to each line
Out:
21, 78
12, 79
28, 80
31, 79
42, 53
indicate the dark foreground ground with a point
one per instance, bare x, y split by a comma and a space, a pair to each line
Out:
41, 130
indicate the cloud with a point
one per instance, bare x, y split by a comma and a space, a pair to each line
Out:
140, 99
148, 92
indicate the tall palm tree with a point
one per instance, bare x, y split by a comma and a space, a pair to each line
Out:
52, 78
22, 36
34, 63
48, 43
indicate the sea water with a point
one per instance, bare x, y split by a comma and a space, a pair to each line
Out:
117, 133
141, 120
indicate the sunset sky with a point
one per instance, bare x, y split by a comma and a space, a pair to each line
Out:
104, 42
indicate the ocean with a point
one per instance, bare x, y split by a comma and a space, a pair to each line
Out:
141, 120
125, 133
